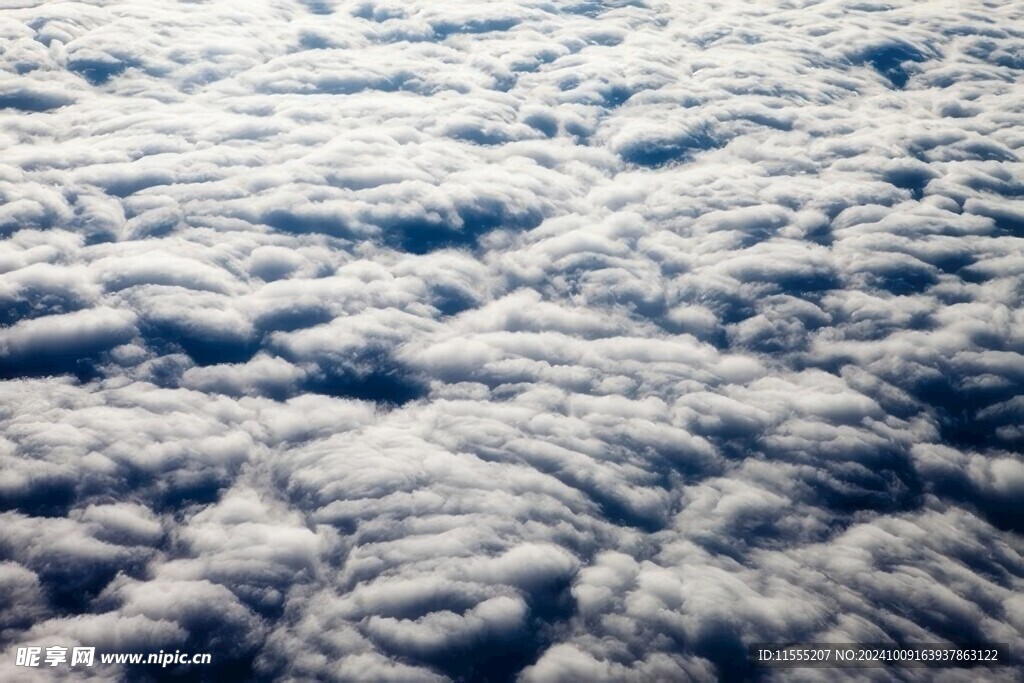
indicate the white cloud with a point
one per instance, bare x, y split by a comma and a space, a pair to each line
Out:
365, 339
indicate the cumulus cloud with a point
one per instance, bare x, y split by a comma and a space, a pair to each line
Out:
535, 341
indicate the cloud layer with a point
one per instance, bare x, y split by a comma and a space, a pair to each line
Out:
534, 341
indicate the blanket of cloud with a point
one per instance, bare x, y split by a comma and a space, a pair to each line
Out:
533, 340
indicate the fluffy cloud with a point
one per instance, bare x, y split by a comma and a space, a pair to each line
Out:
538, 341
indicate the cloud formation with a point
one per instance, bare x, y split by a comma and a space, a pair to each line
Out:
534, 341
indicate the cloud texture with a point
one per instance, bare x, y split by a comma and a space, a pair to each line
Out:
533, 341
